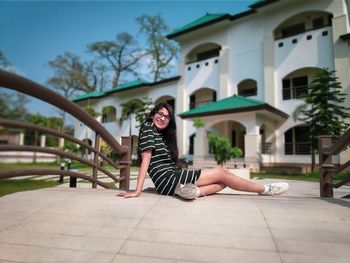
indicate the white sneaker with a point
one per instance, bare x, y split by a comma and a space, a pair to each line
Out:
187, 191
275, 189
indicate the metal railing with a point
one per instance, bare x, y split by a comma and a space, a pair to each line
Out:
297, 148
327, 168
20, 84
266, 148
296, 92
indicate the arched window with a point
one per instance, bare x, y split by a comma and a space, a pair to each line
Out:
296, 84
203, 52
247, 88
297, 141
109, 114
300, 23
202, 97
167, 99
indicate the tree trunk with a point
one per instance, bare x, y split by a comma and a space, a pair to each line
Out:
312, 160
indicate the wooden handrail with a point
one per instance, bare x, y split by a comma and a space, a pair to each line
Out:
23, 85
327, 168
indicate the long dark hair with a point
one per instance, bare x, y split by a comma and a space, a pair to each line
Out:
169, 132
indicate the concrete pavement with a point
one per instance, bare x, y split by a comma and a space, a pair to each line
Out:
86, 225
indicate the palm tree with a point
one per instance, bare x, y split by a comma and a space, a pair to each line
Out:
129, 108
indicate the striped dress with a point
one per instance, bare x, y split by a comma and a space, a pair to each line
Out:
164, 173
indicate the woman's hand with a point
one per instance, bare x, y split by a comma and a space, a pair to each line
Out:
129, 194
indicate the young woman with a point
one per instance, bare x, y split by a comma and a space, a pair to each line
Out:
158, 154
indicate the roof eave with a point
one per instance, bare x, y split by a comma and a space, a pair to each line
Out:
238, 110
263, 3
214, 21
243, 14
345, 37
128, 88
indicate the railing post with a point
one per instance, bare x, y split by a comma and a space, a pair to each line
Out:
325, 162
125, 162
96, 161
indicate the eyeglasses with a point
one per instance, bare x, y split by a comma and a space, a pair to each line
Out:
161, 115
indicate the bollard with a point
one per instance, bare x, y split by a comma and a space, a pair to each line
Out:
72, 179
61, 176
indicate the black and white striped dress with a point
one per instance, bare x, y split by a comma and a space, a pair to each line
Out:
162, 170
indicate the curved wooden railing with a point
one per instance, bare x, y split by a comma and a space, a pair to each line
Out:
28, 87
327, 169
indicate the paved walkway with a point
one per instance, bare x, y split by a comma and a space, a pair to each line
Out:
85, 225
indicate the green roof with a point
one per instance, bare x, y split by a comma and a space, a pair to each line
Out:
230, 105
90, 95
128, 85
208, 18
198, 22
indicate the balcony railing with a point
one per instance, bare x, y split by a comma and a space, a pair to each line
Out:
297, 148
298, 92
266, 148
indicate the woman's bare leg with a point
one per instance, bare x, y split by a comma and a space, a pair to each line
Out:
211, 188
222, 176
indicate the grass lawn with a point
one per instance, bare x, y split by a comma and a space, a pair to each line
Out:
9, 186
312, 177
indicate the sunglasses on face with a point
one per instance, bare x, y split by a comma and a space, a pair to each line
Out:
161, 115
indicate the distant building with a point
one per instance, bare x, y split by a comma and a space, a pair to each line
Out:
244, 75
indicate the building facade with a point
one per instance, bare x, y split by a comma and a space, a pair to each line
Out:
244, 75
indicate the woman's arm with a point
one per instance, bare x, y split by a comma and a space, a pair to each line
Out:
145, 161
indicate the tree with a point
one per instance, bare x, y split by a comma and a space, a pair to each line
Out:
159, 48
143, 112
12, 106
121, 55
323, 109
32, 137
71, 75
222, 149
129, 108
4, 63
198, 123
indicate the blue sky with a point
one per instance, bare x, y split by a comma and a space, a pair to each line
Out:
34, 32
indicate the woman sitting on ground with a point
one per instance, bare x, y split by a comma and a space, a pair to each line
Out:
158, 154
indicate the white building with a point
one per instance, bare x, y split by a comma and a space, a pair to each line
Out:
244, 75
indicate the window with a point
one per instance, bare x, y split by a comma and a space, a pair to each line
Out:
294, 88
297, 141
192, 102
214, 95
247, 88
171, 102
293, 30
209, 54
191, 146
109, 114
317, 22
